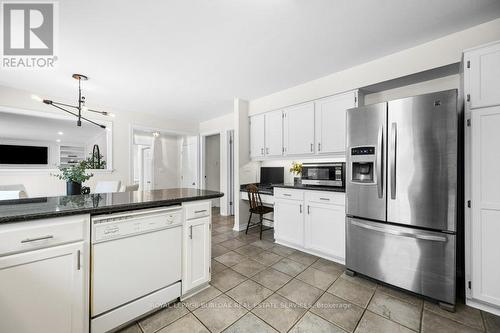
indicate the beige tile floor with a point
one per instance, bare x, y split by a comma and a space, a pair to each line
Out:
259, 286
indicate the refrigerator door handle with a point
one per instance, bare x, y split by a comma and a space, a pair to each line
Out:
400, 233
379, 162
392, 162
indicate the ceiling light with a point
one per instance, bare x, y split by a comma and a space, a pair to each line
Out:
36, 98
156, 134
81, 104
60, 133
58, 140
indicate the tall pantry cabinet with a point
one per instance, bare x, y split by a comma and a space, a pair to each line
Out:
482, 168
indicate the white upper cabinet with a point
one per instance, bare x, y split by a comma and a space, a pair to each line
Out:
299, 129
482, 75
274, 133
257, 132
330, 115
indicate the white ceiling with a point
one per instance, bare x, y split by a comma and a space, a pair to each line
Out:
187, 59
15, 126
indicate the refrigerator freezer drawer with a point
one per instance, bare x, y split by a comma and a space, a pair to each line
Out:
412, 259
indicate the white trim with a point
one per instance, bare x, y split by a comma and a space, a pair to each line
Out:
482, 306
318, 254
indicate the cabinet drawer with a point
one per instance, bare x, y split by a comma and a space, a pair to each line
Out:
28, 236
286, 193
197, 210
324, 197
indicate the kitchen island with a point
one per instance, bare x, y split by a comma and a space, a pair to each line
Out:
93, 263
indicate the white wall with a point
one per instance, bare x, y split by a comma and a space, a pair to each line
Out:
219, 124
213, 165
437, 53
41, 183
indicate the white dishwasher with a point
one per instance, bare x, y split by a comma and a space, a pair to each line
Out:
135, 264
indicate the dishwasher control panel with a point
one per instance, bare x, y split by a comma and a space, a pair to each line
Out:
124, 225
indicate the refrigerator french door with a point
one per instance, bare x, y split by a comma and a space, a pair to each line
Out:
402, 193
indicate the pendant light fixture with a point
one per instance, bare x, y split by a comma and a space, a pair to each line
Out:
80, 108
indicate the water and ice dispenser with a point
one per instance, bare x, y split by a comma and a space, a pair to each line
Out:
363, 165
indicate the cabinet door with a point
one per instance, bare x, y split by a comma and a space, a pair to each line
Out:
257, 131
289, 221
43, 291
483, 76
274, 133
299, 129
325, 229
330, 114
197, 253
485, 226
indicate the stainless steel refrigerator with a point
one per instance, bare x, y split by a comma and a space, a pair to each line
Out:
401, 202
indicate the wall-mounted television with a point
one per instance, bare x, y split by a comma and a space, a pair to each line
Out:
13, 154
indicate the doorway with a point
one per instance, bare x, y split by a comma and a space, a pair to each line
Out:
217, 168
163, 159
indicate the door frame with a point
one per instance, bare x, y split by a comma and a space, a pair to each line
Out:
227, 168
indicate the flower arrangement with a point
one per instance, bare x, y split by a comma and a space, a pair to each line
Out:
296, 168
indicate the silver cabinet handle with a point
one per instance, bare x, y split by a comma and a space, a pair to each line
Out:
312, 147
200, 211
29, 240
191, 232
78, 260
287, 195
400, 233
262, 151
319, 146
308, 209
325, 199
380, 153
394, 134
300, 209
267, 151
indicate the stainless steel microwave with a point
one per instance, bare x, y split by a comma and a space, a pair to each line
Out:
324, 174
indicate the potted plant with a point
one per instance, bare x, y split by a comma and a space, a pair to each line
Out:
74, 176
297, 170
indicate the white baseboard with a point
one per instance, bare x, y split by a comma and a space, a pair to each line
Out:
314, 253
483, 306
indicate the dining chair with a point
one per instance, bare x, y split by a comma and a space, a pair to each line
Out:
256, 207
15, 191
108, 186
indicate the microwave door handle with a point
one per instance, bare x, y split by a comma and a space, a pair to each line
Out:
394, 137
379, 162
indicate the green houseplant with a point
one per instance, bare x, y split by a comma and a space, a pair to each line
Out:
74, 176
297, 170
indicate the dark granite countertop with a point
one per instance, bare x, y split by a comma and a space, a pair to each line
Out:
269, 190
38, 208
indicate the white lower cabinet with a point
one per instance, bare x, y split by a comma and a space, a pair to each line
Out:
44, 289
325, 229
196, 247
288, 221
311, 221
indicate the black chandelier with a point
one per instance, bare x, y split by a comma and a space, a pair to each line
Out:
81, 104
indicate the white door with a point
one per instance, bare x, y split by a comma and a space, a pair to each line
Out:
43, 291
257, 132
146, 169
330, 116
274, 133
485, 226
299, 129
325, 229
289, 221
484, 76
189, 162
197, 253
